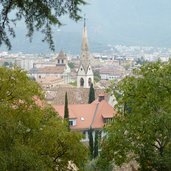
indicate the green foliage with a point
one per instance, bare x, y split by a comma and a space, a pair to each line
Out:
142, 131
71, 65
8, 64
33, 137
66, 111
97, 76
91, 144
96, 144
38, 15
73, 83
93, 165
140, 61
91, 94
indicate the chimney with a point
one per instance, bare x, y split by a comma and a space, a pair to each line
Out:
101, 97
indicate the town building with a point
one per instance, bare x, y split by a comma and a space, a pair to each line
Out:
82, 117
59, 69
110, 72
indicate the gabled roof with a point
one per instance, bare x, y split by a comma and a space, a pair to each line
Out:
61, 55
87, 115
104, 110
85, 67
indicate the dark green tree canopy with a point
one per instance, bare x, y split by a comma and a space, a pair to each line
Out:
38, 15
66, 110
91, 94
32, 135
142, 131
91, 142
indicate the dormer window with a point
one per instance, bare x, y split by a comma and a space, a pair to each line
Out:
108, 120
81, 69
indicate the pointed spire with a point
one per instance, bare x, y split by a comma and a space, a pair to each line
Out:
84, 21
84, 48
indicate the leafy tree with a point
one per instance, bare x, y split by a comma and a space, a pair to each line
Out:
91, 94
33, 137
142, 130
97, 76
6, 64
66, 111
38, 15
74, 83
71, 65
140, 61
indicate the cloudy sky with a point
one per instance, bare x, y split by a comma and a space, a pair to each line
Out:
126, 22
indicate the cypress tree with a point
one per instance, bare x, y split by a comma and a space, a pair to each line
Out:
91, 94
96, 144
91, 146
66, 111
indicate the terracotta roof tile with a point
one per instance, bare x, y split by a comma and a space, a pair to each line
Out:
51, 69
75, 95
87, 115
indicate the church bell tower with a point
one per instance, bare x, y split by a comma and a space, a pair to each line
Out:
85, 73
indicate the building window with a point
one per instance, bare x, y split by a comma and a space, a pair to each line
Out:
62, 61
71, 123
58, 61
107, 120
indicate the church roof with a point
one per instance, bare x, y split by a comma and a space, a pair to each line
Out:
61, 55
51, 70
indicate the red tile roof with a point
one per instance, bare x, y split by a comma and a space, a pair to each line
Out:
87, 115
52, 69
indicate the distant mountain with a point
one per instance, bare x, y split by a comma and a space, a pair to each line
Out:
125, 22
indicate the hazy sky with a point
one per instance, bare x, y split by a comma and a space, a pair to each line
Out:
126, 22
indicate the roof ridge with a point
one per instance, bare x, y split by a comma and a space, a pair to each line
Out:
95, 112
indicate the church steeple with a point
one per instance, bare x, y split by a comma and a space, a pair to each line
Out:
85, 73
84, 48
